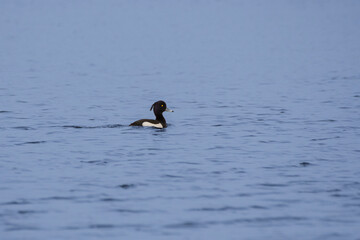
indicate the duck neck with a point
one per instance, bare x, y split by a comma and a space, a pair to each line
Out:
160, 118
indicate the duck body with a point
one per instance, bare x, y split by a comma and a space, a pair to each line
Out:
158, 107
149, 123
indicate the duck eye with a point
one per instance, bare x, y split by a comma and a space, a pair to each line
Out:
162, 105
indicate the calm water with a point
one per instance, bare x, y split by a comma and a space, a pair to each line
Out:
263, 143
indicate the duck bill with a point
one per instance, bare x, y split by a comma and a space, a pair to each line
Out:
168, 110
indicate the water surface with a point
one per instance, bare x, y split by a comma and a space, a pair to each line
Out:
263, 143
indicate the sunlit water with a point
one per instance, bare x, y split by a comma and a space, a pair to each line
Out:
263, 143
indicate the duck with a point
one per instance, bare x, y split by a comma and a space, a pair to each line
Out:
158, 107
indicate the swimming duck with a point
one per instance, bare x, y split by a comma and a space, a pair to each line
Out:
159, 107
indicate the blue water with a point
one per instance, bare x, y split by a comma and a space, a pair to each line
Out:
263, 142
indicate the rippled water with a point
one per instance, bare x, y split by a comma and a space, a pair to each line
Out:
263, 143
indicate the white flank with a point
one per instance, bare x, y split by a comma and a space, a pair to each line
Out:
148, 124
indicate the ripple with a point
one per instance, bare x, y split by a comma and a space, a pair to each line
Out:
274, 185
220, 209
323, 139
74, 126
96, 162
109, 199
172, 176
21, 227
258, 207
327, 120
92, 127
266, 220
130, 211
340, 195
24, 128
25, 212
102, 226
338, 220
59, 198
107, 226
31, 142
357, 205
16, 202
126, 186
305, 164
188, 224
190, 163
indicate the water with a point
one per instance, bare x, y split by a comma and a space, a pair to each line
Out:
263, 143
